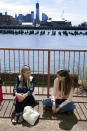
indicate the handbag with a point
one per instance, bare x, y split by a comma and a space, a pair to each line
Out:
30, 115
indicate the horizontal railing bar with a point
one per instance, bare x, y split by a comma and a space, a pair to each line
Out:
72, 50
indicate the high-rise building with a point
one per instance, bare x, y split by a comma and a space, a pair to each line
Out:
44, 17
20, 17
37, 13
5, 19
28, 18
32, 16
15, 16
6, 13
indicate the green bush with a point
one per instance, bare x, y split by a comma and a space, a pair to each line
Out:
8, 79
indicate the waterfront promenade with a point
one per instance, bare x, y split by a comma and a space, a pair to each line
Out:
63, 123
48, 121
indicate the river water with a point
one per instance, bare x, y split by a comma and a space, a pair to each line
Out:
44, 41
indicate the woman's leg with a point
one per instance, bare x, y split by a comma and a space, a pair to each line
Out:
69, 107
47, 102
18, 106
16, 118
20, 120
28, 101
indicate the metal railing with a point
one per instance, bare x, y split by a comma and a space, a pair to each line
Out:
44, 65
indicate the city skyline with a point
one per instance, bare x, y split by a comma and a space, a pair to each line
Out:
71, 10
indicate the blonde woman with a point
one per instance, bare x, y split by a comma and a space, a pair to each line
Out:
23, 91
63, 92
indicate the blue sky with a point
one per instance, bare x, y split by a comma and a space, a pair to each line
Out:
71, 10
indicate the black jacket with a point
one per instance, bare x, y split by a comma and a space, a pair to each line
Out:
17, 88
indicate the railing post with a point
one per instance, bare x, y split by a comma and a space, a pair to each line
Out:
1, 94
48, 73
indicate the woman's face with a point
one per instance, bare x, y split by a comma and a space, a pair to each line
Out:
61, 78
27, 74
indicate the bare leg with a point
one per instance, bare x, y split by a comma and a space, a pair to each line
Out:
20, 120
15, 119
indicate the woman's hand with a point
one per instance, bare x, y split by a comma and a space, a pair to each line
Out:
20, 97
25, 95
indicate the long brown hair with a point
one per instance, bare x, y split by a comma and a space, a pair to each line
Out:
67, 84
23, 81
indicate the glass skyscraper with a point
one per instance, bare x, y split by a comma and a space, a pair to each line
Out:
37, 13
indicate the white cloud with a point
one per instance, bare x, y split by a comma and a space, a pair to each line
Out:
13, 8
59, 1
16, 1
75, 18
50, 11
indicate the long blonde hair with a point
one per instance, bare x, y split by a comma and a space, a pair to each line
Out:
23, 81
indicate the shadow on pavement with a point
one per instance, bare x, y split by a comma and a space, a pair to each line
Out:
66, 120
28, 125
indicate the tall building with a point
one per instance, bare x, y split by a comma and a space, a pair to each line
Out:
15, 16
20, 17
28, 18
32, 16
44, 17
5, 19
6, 13
37, 13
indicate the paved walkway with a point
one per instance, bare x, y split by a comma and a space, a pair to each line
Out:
49, 122
44, 125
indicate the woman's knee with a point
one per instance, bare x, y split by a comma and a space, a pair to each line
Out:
69, 107
47, 102
72, 105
